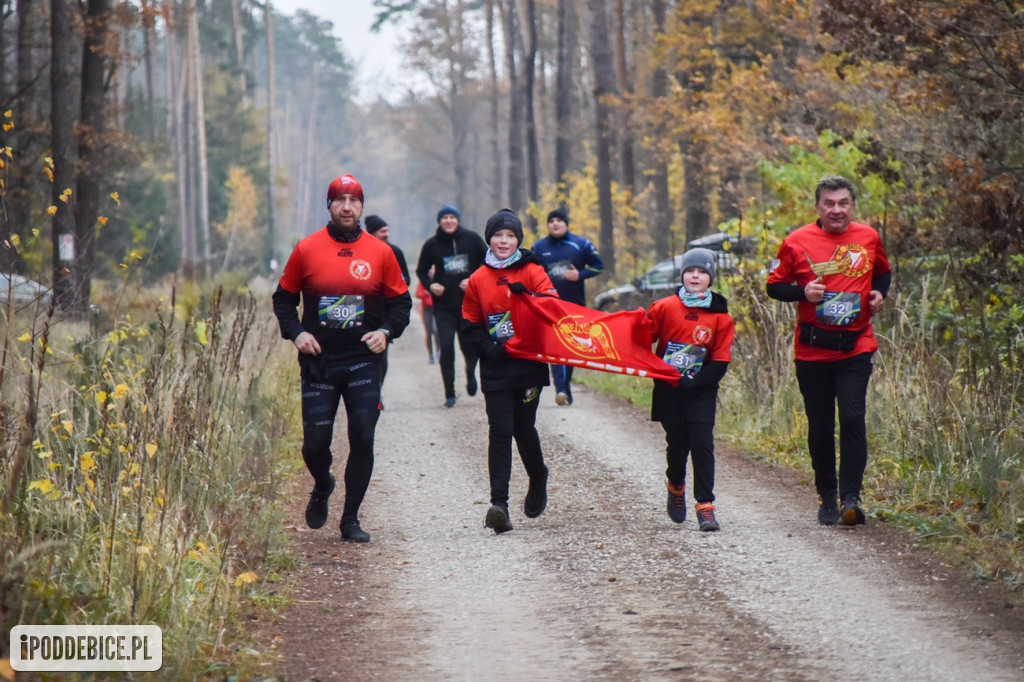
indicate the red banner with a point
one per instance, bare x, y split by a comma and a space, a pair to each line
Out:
558, 332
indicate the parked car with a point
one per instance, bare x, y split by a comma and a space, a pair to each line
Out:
665, 277
21, 290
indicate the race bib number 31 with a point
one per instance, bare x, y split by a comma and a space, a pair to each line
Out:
839, 308
685, 357
341, 312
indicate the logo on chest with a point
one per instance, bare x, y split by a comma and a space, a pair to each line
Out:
851, 260
360, 270
702, 335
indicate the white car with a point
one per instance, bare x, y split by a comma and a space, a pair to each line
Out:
21, 290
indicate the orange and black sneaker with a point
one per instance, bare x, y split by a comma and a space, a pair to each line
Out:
706, 516
850, 512
676, 502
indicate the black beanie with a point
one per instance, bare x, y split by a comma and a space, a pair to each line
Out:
504, 219
561, 214
374, 223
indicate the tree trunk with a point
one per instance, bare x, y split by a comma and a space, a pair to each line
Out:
529, 75
268, 19
623, 82
62, 122
603, 65
663, 215
148, 48
203, 189
695, 193
178, 80
516, 160
96, 51
238, 44
495, 137
564, 88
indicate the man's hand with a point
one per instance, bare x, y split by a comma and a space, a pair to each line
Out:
307, 343
875, 300
815, 291
571, 274
437, 289
376, 341
464, 283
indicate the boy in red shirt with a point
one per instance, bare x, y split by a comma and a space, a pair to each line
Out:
694, 333
511, 386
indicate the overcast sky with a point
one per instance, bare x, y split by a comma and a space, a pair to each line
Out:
375, 54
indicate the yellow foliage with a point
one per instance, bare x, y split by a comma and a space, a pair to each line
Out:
151, 449
246, 578
44, 485
51, 210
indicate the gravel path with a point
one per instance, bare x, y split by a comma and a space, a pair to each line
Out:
604, 585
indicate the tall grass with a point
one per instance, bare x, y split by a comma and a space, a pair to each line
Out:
140, 466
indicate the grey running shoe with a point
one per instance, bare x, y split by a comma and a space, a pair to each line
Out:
850, 512
497, 518
449, 402
316, 509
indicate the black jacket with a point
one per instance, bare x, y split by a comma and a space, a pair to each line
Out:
462, 252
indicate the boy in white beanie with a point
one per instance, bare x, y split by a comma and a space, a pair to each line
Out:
694, 333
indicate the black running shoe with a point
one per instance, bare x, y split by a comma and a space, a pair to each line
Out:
706, 520
536, 496
850, 512
471, 385
497, 518
676, 502
449, 401
828, 511
351, 532
316, 509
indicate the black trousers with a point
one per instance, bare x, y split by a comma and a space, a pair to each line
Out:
359, 386
449, 323
826, 386
697, 440
512, 414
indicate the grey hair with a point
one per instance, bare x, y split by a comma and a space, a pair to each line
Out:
830, 183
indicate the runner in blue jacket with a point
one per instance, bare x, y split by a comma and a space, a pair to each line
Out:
569, 259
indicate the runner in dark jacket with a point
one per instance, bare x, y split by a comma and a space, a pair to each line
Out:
454, 253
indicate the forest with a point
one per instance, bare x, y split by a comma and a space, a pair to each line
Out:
159, 158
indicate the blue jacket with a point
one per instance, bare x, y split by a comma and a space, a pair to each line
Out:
557, 254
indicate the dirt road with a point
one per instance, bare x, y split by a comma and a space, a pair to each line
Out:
604, 585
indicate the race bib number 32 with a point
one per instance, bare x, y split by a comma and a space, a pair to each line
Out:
341, 312
839, 308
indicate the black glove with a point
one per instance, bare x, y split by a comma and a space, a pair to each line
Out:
518, 288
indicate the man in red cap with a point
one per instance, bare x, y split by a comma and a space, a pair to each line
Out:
353, 301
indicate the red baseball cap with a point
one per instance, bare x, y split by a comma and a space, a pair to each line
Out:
346, 184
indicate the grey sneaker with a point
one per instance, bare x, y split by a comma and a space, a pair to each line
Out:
316, 509
706, 520
497, 518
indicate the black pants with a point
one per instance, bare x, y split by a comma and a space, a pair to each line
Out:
826, 385
697, 440
359, 386
449, 323
512, 414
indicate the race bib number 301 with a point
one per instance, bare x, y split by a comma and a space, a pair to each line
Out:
839, 308
341, 312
